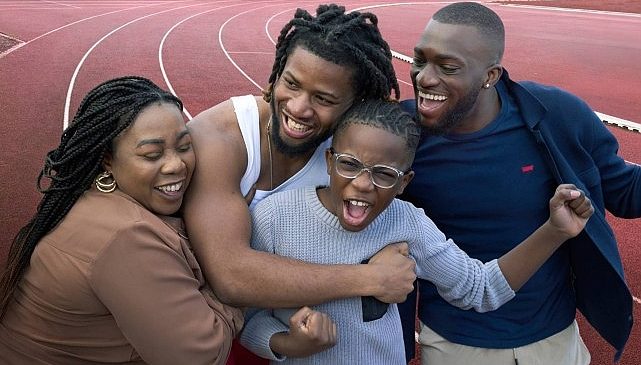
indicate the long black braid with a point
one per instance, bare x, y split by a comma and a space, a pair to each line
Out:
346, 39
103, 114
385, 115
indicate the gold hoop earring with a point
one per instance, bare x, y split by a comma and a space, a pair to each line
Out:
105, 182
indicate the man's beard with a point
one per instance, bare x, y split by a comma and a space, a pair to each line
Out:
453, 117
298, 149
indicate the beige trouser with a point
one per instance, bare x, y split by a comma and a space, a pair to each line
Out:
563, 348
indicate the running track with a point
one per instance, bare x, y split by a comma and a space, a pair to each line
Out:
207, 51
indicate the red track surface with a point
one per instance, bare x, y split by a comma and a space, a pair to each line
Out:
594, 55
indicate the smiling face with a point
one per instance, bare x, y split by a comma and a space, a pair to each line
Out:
308, 98
452, 63
357, 202
153, 160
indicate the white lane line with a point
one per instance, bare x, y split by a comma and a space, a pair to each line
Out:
84, 57
250, 52
222, 46
61, 4
19, 43
162, 43
270, 20
73, 23
570, 10
620, 122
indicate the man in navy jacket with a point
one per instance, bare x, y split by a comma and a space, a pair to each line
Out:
493, 148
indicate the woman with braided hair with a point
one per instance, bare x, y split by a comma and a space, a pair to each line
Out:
249, 147
103, 273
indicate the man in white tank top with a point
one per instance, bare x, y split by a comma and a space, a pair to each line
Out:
249, 143
313, 173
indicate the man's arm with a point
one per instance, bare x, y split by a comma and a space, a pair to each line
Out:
219, 227
620, 181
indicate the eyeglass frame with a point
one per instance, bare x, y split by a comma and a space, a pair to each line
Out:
337, 155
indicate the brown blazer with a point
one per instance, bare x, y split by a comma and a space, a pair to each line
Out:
114, 283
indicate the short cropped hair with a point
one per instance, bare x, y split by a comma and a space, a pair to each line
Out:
488, 23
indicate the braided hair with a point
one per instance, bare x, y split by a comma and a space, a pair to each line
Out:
385, 115
351, 39
103, 114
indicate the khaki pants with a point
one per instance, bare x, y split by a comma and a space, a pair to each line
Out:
563, 348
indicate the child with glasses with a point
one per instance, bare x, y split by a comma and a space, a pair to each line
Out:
354, 217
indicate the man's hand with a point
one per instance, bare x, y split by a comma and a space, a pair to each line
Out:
395, 271
310, 332
569, 210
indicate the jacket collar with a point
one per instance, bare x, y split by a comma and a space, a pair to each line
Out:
531, 108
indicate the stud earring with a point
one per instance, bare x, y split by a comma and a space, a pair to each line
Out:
105, 182
487, 86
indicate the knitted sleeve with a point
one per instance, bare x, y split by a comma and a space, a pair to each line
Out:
260, 326
462, 281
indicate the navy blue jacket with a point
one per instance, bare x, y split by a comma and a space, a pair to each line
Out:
581, 151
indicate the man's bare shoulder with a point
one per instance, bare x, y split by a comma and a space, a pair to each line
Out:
220, 118
218, 142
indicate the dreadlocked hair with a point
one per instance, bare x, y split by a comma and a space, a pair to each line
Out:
385, 115
103, 114
350, 39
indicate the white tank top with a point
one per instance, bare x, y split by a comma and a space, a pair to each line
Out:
314, 173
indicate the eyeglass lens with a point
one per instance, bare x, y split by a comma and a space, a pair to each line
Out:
350, 167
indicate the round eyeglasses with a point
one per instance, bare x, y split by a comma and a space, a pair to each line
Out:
350, 167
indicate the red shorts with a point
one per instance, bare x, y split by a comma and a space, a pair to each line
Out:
241, 356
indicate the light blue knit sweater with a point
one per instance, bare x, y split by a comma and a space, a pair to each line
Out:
295, 224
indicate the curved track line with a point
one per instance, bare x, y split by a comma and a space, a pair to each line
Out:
84, 57
162, 43
270, 20
74, 23
571, 10
61, 4
222, 46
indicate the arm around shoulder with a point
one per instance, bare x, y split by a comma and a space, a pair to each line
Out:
216, 214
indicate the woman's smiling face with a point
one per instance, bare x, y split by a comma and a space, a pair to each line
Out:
152, 160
